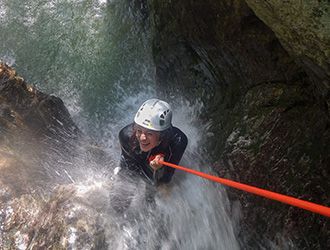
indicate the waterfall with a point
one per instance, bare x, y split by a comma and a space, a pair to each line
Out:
96, 56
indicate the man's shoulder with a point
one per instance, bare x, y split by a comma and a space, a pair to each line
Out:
177, 131
178, 136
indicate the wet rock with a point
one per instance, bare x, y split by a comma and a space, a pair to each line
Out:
26, 111
63, 222
31, 124
280, 143
303, 30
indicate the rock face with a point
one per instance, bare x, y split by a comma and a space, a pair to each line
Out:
33, 215
31, 123
64, 221
303, 28
264, 87
26, 110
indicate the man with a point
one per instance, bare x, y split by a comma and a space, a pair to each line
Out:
151, 139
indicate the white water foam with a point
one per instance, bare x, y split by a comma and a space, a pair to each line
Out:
191, 212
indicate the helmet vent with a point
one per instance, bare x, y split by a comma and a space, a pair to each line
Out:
142, 107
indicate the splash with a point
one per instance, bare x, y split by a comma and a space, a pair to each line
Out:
98, 59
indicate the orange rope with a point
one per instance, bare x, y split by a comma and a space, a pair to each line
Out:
323, 210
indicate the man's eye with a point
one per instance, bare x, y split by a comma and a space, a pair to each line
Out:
149, 134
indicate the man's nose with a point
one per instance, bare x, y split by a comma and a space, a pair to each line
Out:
143, 136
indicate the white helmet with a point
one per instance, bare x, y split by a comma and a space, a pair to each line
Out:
154, 114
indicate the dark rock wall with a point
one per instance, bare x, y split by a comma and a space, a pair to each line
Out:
303, 28
269, 116
26, 110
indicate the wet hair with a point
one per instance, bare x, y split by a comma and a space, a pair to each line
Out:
133, 142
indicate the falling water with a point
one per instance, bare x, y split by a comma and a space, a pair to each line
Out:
96, 56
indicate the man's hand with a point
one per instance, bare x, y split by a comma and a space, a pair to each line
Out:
154, 164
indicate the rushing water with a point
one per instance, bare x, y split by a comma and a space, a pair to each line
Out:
96, 56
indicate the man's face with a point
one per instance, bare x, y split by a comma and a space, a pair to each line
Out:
147, 139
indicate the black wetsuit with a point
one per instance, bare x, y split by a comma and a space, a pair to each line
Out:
132, 158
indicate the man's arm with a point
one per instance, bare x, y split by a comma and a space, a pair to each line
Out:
178, 147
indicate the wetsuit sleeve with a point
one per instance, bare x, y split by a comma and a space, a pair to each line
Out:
178, 146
